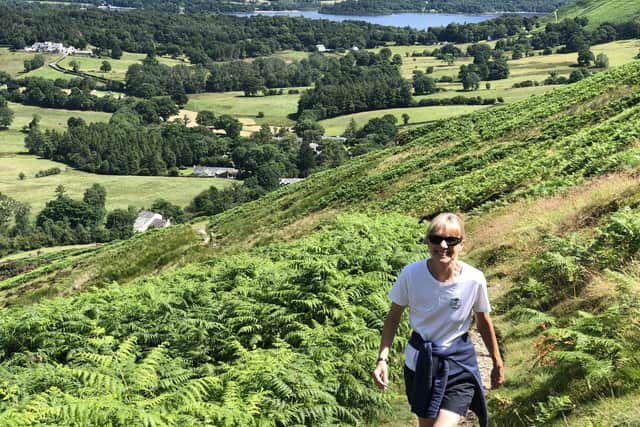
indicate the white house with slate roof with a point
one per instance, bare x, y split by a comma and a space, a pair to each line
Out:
148, 219
215, 172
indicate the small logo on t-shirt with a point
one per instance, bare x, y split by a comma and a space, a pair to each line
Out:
455, 303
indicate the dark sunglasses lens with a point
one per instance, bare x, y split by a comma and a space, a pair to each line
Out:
451, 240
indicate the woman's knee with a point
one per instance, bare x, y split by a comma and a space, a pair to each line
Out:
425, 422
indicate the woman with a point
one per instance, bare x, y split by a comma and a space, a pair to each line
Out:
442, 379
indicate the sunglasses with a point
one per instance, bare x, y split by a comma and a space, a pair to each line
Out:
437, 240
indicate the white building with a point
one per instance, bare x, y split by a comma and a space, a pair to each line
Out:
148, 219
57, 48
215, 172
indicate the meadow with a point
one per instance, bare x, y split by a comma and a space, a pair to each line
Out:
13, 62
276, 108
51, 118
91, 65
417, 115
122, 191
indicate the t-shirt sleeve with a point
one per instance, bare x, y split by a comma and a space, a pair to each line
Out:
482, 304
399, 293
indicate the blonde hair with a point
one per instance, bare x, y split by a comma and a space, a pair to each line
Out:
444, 219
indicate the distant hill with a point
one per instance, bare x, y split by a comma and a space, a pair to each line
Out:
599, 11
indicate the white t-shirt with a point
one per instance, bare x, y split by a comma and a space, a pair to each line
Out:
439, 312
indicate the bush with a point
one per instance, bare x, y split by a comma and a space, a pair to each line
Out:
47, 172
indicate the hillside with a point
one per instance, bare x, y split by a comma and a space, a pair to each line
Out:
599, 11
244, 329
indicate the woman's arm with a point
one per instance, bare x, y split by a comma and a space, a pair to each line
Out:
391, 322
488, 334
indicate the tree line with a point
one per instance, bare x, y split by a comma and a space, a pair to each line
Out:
359, 81
376, 7
200, 37
62, 221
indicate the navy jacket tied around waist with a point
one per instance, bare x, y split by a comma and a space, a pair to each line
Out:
432, 370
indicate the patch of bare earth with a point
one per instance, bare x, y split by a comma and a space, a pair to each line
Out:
188, 116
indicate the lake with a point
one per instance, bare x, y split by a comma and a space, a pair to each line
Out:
419, 21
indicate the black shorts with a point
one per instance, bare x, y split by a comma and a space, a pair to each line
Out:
458, 394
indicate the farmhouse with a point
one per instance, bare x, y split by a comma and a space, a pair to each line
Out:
215, 172
59, 48
148, 219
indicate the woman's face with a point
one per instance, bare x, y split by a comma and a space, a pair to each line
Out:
445, 243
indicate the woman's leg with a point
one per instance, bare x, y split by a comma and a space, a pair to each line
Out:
425, 422
446, 419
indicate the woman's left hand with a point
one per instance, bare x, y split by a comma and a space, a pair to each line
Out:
497, 376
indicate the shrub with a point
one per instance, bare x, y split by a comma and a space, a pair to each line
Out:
47, 172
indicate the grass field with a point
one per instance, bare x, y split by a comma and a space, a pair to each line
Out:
275, 108
51, 118
122, 191
118, 66
13, 62
417, 115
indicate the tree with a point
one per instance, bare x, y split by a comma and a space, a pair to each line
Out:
602, 61
423, 84
165, 107
95, 197
116, 52
105, 67
120, 223
206, 118
75, 66
585, 56
231, 125
6, 114
351, 131
168, 210
65, 210
251, 85
405, 118
470, 81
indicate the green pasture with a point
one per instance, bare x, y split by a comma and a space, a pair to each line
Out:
417, 115
51, 118
122, 191
275, 108
47, 72
11, 142
13, 62
598, 11
291, 55
119, 67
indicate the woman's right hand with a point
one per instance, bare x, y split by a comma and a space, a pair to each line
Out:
381, 375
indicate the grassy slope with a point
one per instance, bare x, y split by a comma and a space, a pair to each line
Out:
484, 165
486, 148
599, 11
